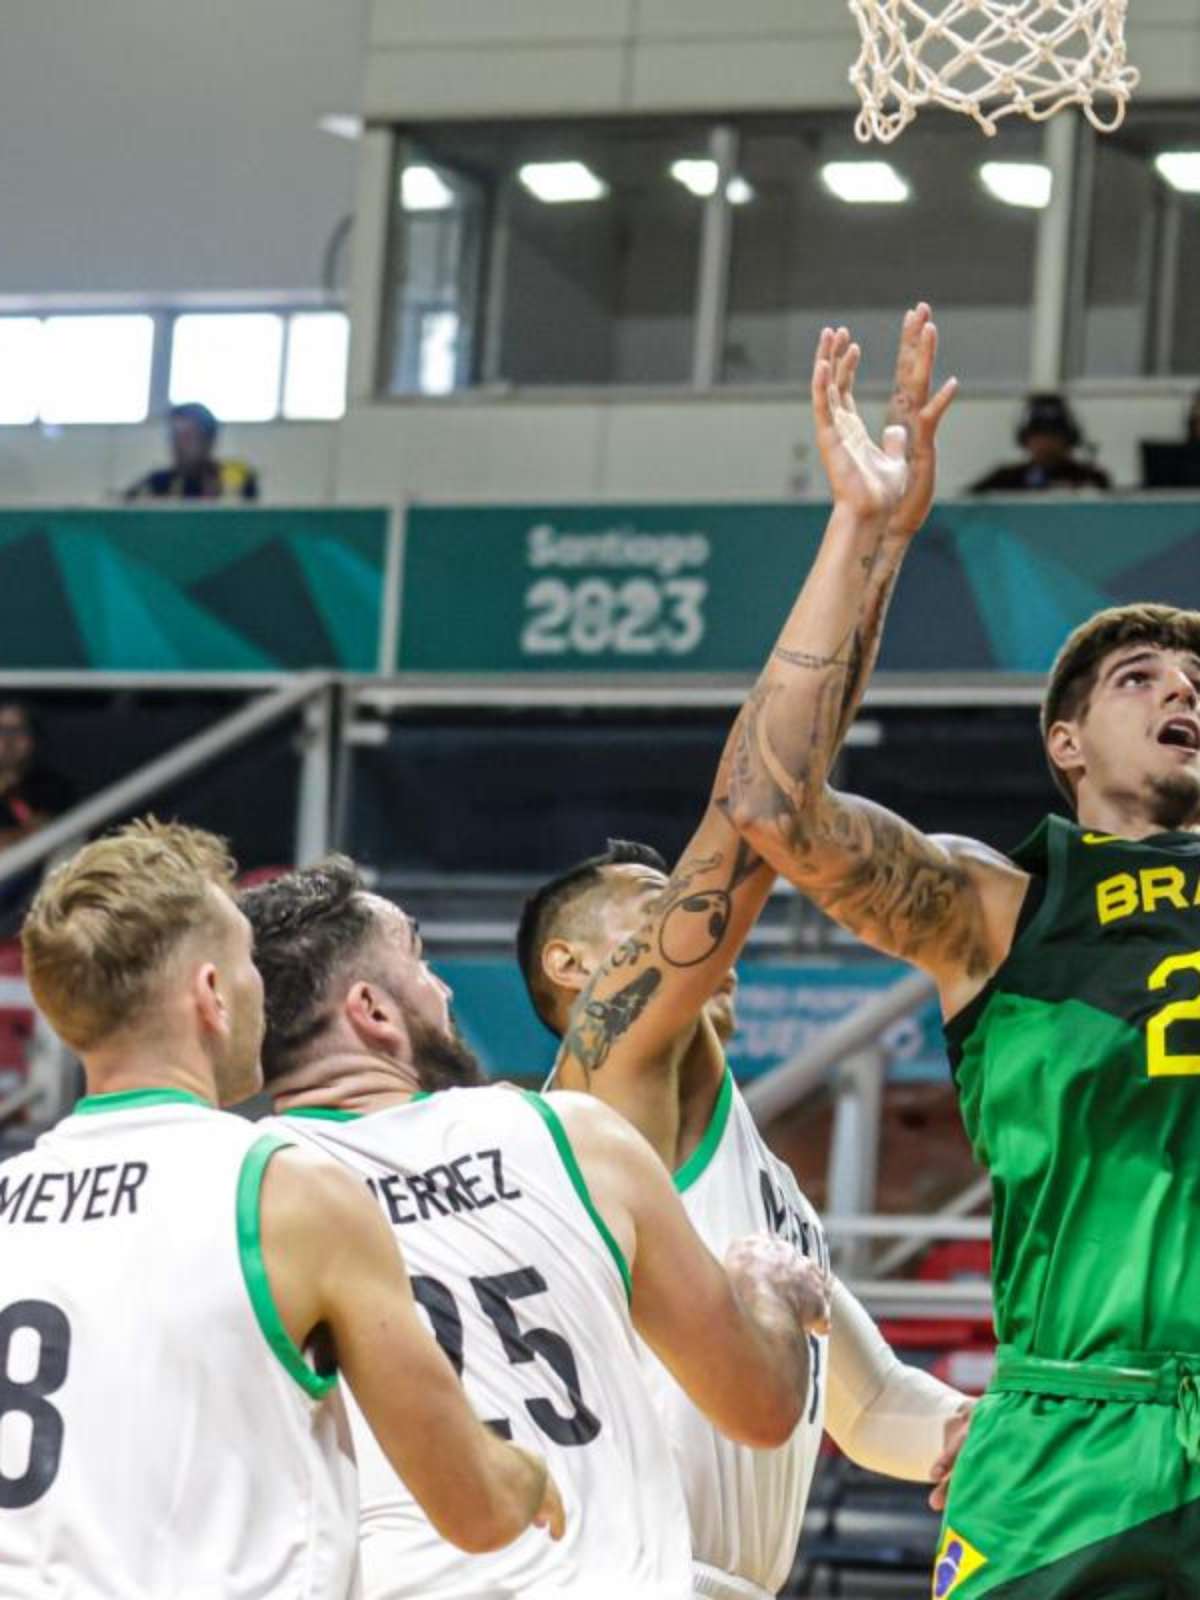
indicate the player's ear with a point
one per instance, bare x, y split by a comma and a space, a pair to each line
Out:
209, 1001
565, 964
374, 1017
1064, 748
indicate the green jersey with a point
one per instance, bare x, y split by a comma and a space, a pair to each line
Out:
1078, 1071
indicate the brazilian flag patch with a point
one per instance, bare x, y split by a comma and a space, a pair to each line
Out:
956, 1561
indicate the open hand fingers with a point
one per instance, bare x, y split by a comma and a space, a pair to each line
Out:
932, 413
847, 367
822, 377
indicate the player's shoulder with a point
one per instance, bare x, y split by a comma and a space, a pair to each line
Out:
591, 1126
974, 851
307, 1191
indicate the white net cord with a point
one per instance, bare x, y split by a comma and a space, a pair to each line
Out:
989, 59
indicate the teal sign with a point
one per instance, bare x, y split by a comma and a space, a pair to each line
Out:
782, 1007
989, 585
207, 590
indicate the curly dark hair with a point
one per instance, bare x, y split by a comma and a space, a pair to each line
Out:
307, 926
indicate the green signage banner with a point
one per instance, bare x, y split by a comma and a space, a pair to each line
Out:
192, 591
989, 585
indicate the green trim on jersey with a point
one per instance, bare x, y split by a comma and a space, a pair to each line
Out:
133, 1099
569, 1160
254, 1269
322, 1113
698, 1162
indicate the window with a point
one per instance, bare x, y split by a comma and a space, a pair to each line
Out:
230, 363
1141, 313
317, 349
808, 250
20, 369
546, 254
95, 369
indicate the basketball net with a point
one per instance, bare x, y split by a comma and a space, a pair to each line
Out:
989, 59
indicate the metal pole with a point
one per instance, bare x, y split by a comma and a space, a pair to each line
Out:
128, 793
854, 1146
899, 1255
393, 592
1052, 262
713, 285
779, 1090
316, 778
1166, 289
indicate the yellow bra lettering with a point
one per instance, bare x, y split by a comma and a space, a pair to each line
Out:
1163, 883
1116, 897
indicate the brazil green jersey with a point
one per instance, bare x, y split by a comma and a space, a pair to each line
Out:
1078, 1073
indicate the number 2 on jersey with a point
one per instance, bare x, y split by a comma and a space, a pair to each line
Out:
1160, 1061
495, 1296
24, 1394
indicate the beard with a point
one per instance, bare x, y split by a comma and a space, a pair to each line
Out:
1175, 801
443, 1060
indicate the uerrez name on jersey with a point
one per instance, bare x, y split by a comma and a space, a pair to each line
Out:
449, 1188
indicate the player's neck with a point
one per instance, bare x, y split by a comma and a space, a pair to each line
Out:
135, 1067
1126, 818
346, 1082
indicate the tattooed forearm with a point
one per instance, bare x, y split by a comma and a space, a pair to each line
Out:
812, 663
688, 905
597, 1024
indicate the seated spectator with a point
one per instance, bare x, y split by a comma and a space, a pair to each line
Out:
30, 794
1049, 435
195, 473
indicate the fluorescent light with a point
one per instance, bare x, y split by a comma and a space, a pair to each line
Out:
342, 124
556, 182
229, 361
439, 352
20, 369
1018, 183
96, 369
865, 182
699, 175
421, 189
317, 351
1181, 169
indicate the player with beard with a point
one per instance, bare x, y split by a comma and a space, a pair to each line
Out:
1068, 976
541, 1232
633, 971
178, 1292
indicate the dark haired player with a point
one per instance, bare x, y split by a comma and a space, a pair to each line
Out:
633, 971
1069, 978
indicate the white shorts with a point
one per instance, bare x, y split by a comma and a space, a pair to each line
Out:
710, 1584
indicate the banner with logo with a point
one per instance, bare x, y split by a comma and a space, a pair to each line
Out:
989, 585
782, 1006
207, 590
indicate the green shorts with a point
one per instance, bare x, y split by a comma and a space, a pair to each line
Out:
1078, 1481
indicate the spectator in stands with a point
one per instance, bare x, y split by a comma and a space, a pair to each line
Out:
30, 794
1049, 435
195, 473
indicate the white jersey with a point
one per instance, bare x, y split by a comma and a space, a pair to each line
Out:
161, 1438
528, 1294
746, 1506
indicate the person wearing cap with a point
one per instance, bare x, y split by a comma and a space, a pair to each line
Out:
195, 473
1049, 435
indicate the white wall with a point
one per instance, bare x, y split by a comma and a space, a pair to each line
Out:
161, 146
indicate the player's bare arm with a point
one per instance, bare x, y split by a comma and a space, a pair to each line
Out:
336, 1272
947, 905
734, 1336
631, 1022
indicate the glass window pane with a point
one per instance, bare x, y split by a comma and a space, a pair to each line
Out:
1141, 313
802, 256
230, 363
318, 347
20, 369
96, 369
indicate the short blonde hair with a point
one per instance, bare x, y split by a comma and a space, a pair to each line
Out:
103, 923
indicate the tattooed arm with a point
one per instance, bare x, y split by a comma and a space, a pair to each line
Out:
946, 905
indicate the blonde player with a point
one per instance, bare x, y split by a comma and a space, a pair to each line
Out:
625, 964
177, 1292
539, 1232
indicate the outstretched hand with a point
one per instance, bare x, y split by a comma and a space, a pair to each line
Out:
894, 478
912, 409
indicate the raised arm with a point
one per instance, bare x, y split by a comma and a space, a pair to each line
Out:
334, 1268
948, 906
629, 1023
734, 1336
